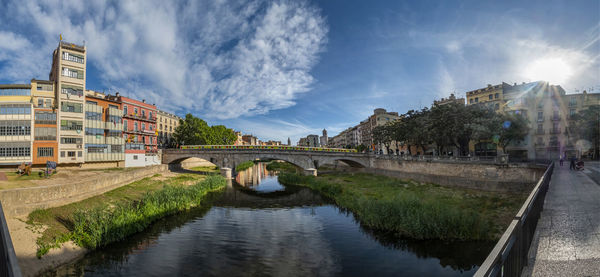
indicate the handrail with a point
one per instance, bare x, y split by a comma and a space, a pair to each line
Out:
9, 265
266, 147
509, 255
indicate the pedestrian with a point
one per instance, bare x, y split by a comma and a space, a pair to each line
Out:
572, 165
562, 159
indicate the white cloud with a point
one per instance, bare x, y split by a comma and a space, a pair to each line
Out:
221, 59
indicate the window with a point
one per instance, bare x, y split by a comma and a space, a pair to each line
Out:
135, 126
73, 73
144, 113
79, 154
15, 91
44, 87
572, 112
45, 152
90, 115
15, 109
94, 132
135, 157
124, 124
573, 101
91, 102
114, 133
160, 126
113, 106
497, 95
48, 103
124, 109
471, 101
143, 126
15, 128
497, 106
62, 154
45, 133
71, 107
540, 116
72, 57
476, 99
134, 146
40, 102
72, 91
135, 110
15, 149
150, 127
42, 117
116, 148
70, 153
64, 140
71, 125
491, 97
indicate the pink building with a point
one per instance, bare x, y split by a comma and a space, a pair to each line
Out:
139, 131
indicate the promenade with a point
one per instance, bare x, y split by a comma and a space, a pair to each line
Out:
567, 238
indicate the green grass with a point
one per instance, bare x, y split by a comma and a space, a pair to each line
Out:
413, 210
281, 166
121, 212
243, 166
209, 169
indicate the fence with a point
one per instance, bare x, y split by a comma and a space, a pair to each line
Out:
9, 266
509, 256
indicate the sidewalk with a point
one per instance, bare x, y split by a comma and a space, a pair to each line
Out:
567, 238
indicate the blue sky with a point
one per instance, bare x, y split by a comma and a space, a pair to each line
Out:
281, 69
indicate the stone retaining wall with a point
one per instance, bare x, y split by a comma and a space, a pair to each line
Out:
22, 201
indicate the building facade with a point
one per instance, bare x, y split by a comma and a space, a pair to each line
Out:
451, 99
45, 143
15, 124
324, 139
103, 140
68, 73
167, 122
139, 132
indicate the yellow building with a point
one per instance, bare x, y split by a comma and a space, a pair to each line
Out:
490, 95
68, 73
15, 124
167, 122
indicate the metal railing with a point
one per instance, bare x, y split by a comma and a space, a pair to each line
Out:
509, 256
9, 266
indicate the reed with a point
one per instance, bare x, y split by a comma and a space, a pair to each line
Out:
409, 209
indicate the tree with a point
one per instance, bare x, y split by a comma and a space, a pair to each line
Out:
383, 135
586, 126
195, 131
513, 129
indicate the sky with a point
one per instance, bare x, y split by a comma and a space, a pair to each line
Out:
280, 69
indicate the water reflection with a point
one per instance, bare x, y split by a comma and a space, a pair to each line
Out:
289, 232
259, 179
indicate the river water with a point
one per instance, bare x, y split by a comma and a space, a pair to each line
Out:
258, 227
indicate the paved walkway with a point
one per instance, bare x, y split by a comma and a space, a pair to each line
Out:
567, 239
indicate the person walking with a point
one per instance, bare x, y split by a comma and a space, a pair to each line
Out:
562, 159
572, 165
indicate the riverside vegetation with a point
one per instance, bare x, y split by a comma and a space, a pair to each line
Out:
112, 216
413, 210
243, 166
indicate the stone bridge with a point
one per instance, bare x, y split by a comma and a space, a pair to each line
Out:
309, 161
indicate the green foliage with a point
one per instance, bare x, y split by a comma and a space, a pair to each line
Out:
243, 166
586, 126
281, 166
414, 210
195, 131
103, 225
361, 148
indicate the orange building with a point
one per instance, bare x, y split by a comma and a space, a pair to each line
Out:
103, 129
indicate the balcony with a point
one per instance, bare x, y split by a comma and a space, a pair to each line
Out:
555, 118
555, 131
540, 132
540, 119
72, 46
139, 117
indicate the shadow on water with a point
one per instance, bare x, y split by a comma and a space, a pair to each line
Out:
461, 257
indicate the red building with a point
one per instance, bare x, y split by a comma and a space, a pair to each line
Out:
139, 131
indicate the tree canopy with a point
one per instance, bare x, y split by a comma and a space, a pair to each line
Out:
195, 131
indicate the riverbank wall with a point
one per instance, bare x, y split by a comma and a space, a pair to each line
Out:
487, 177
22, 201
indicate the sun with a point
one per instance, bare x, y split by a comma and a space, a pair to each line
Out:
554, 70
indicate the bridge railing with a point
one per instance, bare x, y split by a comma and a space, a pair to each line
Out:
268, 147
509, 256
9, 266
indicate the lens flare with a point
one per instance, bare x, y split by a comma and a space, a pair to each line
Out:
553, 70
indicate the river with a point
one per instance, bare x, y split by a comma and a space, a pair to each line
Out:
258, 227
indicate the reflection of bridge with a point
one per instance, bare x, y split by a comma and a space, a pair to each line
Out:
307, 160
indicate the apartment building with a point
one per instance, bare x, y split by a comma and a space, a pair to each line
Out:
167, 123
45, 143
491, 96
104, 142
68, 74
139, 131
15, 124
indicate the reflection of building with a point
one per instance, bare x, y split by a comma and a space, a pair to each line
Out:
103, 128
167, 122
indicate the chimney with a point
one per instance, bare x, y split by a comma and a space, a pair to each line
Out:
117, 94
143, 100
